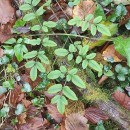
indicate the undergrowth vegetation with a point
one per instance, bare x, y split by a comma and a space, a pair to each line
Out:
58, 60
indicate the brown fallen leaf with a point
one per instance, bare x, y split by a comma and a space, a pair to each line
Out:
84, 8
7, 19
1, 52
34, 120
125, 19
52, 110
26, 103
35, 123
26, 78
122, 99
22, 118
94, 115
7, 12
46, 123
76, 121
5, 33
62, 125
16, 95
110, 52
2, 98
48, 95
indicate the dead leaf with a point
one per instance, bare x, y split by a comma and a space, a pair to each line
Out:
59, 8
22, 118
94, 115
7, 12
110, 52
74, 107
62, 126
16, 95
48, 95
52, 110
46, 123
34, 120
26, 78
1, 52
122, 99
84, 8
2, 98
7, 19
6, 34
35, 123
76, 121
125, 19
26, 103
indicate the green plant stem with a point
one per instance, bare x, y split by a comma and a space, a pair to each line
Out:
74, 35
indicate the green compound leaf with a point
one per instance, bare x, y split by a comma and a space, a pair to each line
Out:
78, 81
43, 59
28, 1
49, 24
78, 59
54, 74
88, 17
84, 50
69, 93
61, 52
85, 25
30, 64
97, 19
35, 28
55, 99
29, 17
103, 29
84, 64
55, 88
33, 73
91, 56
31, 54
10, 41
61, 104
18, 49
40, 11
35, 2
40, 67
48, 43
25, 7
93, 29
94, 65
70, 57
